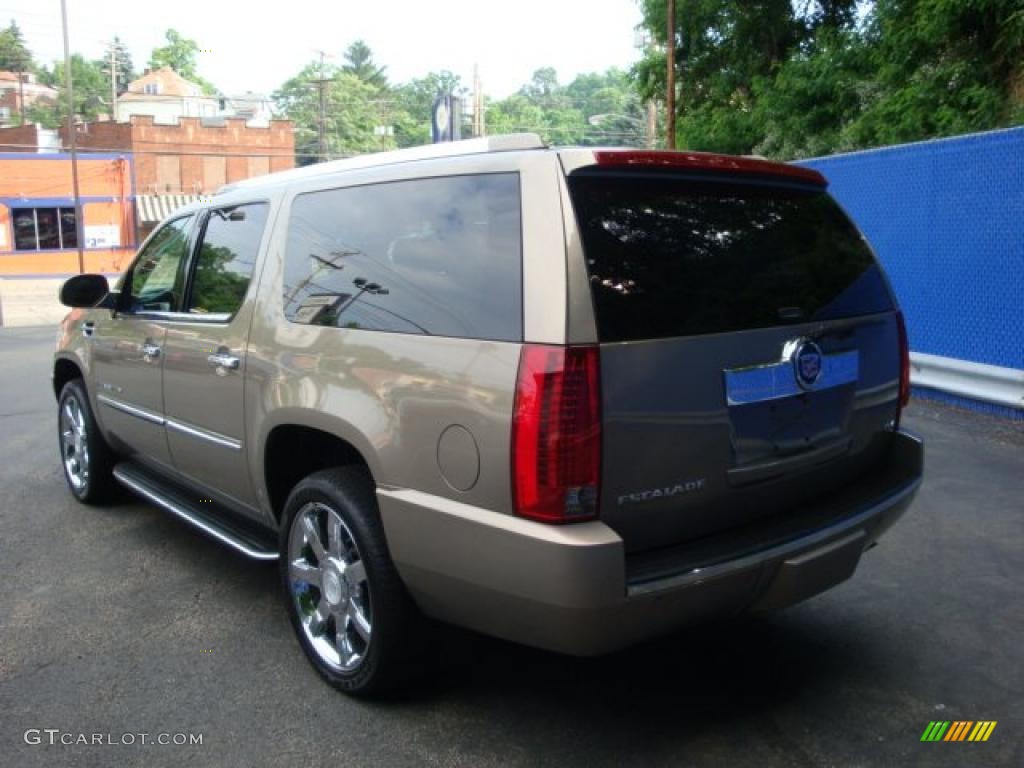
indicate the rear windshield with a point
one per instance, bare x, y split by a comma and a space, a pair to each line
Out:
670, 256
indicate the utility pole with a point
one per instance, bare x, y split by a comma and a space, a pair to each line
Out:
322, 121
670, 77
113, 82
21, 88
72, 139
478, 103
22, 61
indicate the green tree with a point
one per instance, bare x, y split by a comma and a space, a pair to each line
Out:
612, 107
941, 68
541, 106
543, 87
594, 109
796, 79
91, 93
805, 108
722, 48
353, 110
123, 59
14, 54
180, 54
359, 63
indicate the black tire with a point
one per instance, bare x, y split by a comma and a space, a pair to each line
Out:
96, 484
386, 659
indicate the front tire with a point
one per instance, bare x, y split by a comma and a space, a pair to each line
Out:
85, 456
347, 604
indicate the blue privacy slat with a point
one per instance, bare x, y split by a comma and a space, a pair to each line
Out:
946, 218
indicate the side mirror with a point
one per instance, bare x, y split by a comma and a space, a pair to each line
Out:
86, 291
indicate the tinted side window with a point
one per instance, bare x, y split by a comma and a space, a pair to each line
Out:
436, 256
155, 282
669, 256
226, 258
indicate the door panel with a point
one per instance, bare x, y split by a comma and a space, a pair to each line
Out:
128, 345
128, 383
205, 416
204, 367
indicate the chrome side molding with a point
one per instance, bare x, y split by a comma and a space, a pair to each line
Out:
131, 410
178, 426
203, 434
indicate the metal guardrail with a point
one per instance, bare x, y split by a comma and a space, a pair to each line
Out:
987, 383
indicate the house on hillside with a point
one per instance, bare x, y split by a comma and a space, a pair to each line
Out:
255, 108
165, 96
16, 87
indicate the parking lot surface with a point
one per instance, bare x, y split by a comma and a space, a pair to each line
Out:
120, 620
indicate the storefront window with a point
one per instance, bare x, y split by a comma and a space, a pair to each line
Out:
44, 229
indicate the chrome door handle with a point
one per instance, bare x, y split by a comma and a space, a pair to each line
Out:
150, 352
224, 360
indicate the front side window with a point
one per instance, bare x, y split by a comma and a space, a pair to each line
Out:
226, 258
155, 278
44, 229
438, 256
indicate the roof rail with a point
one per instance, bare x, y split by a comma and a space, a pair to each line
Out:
506, 143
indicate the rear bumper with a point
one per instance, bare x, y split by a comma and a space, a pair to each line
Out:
571, 589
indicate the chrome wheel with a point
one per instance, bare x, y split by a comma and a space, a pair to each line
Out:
74, 443
327, 582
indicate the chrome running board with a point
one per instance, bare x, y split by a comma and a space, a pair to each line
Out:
220, 527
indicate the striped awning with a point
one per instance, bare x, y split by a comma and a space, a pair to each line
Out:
152, 209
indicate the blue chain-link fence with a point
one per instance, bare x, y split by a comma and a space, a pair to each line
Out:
946, 218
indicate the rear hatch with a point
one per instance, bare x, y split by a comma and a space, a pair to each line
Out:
749, 342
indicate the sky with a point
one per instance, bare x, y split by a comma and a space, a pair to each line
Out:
256, 46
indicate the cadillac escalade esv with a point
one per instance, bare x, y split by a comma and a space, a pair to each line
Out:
573, 398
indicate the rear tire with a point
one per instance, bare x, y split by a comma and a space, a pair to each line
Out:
86, 458
346, 602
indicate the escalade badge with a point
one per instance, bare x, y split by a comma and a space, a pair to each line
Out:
651, 494
807, 359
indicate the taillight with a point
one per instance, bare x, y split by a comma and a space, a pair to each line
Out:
556, 434
904, 361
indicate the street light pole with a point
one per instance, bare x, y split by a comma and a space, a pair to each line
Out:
72, 139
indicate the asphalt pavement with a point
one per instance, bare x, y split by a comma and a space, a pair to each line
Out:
120, 621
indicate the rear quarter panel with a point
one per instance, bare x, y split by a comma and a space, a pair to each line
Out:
392, 395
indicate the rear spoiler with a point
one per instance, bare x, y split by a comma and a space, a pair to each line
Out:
699, 161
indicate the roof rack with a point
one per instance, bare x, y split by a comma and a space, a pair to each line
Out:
506, 143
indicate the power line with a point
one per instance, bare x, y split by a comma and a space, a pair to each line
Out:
33, 152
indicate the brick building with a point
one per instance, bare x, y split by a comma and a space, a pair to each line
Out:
174, 164
28, 138
38, 226
132, 176
195, 156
